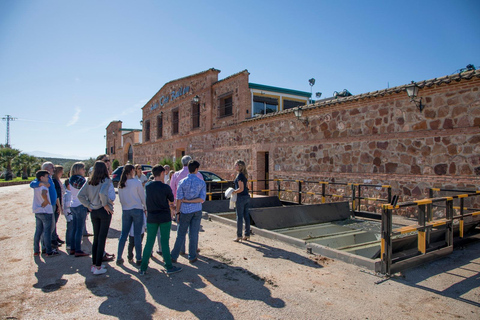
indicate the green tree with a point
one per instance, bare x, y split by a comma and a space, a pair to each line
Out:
115, 164
178, 164
6, 157
166, 161
24, 162
89, 164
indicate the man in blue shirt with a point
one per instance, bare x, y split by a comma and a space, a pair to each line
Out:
191, 193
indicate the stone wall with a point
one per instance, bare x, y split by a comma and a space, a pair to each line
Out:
378, 138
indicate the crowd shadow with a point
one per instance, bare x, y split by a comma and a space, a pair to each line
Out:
125, 291
460, 271
125, 295
49, 275
180, 292
238, 282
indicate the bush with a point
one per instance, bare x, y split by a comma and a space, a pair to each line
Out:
166, 161
115, 164
178, 164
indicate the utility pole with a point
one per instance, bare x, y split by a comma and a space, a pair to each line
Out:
8, 118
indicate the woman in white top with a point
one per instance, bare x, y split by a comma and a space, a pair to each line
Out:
132, 198
78, 210
139, 174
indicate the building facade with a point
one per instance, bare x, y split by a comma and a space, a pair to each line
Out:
377, 137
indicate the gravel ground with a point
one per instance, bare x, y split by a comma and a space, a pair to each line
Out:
260, 279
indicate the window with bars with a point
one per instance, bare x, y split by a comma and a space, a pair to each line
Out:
160, 125
175, 121
147, 130
226, 106
195, 115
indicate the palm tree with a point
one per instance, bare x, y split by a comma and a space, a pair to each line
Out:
6, 156
24, 162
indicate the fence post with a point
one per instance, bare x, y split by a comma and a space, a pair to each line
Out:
278, 188
449, 225
422, 240
323, 192
251, 187
386, 244
299, 191
461, 219
353, 200
359, 200
430, 206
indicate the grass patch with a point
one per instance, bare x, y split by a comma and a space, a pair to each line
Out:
18, 179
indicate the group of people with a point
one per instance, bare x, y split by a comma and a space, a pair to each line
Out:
149, 206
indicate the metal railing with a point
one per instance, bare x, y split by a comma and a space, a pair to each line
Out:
424, 226
303, 188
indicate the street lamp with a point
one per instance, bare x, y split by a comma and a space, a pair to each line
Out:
311, 82
298, 113
412, 92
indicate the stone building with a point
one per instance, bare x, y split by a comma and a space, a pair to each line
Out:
377, 137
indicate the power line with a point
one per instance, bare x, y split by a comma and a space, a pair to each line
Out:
8, 118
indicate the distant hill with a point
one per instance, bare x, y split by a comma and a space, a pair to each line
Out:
44, 155
60, 161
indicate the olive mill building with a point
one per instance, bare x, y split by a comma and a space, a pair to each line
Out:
380, 137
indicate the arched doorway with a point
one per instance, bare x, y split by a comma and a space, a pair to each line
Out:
130, 154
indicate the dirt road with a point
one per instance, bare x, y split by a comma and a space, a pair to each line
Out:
260, 279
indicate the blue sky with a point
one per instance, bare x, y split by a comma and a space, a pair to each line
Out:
68, 68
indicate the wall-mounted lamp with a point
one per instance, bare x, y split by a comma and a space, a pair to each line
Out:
141, 123
412, 91
298, 113
196, 100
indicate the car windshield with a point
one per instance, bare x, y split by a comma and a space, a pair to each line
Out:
208, 176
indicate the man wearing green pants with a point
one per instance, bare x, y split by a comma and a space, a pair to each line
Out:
158, 196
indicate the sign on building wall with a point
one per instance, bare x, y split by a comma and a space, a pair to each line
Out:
172, 96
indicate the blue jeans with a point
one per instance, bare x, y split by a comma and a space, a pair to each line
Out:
55, 217
43, 228
79, 215
159, 240
188, 222
242, 206
134, 216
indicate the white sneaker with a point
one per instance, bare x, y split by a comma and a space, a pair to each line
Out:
99, 271
94, 267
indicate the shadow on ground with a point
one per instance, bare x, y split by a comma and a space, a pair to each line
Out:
452, 276
182, 292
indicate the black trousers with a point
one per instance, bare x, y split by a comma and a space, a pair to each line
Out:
131, 245
101, 223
